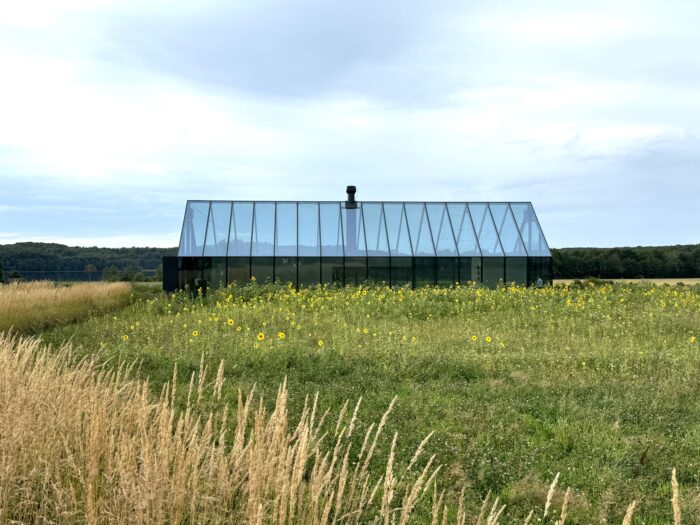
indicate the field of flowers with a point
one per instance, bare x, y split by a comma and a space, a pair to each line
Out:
599, 383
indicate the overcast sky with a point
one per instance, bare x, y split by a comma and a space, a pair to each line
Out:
114, 113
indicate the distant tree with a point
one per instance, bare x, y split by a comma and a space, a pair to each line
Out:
138, 277
110, 274
90, 270
2, 277
159, 273
15, 275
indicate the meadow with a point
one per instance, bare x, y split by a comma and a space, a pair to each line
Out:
595, 382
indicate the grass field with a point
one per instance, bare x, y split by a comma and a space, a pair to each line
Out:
599, 383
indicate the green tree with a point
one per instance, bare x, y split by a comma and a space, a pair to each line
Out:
2, 277
90, 270
110, 274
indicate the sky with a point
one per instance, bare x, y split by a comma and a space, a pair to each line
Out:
114, 113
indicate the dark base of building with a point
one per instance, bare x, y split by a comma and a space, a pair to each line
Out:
189, 272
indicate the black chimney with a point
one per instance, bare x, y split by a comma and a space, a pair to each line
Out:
351, 204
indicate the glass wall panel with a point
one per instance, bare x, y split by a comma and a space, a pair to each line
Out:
263, 229
309, 271
286, 230
309, 234
470, 270
485, 230
375, 229
214, 272
241, 229
331, 230
516, 270
447, 270
507, 230
194, 229
216, 242
286, 270
463, 229
355, 270
262, 269
379, 269
530, 231
539, 271
189, 273
354, 230
332, 271
238, 270
425, 271
442, 232
419, 229
397, 226
401, 271
493, 271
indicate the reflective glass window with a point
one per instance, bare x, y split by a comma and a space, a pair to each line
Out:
309, 271
375, 229
215, 272
241, 229
355, 270
397, 226
425, 271
507, 230
189, 273
463, 229
470, 269
262, 269
447, 270
419, 229
332, 270
379, 269
516, 270
530, 231
401, 271
194, 229
485, 229
216, 243
493, 271
286, 270
238, 270
263, 229
309, 234
441, 229
286, 230
331, 230
354, 232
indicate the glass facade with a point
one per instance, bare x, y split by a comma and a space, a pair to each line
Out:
396, 243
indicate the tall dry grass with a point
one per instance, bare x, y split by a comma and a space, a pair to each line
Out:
82, 445
36, 305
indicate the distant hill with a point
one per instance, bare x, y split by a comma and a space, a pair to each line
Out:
36, 260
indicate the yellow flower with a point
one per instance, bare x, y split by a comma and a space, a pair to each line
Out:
413, 339
281, 335
320, 343
365, 330
125, 337
132, 327
230, 322
238, 329
487, 338
261, 336
195, 333
474, 338
692, 339
256, 345
252, 278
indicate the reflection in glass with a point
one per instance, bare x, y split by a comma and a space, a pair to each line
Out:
216, 243
238, 270
463, 229
397, 226
493, 271
309, 234
355, 270
419, 229
262, 269
507, 230
530, 231
263, 229
354, 232
401, 271
379, 269
516, 270
241, 229
332, 270
441, 229
375, 229
331, 230
309, 271
485, 229
425, 271
447, 270
286, 229
194, 229
286, 270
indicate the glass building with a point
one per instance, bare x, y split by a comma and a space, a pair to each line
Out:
351, 242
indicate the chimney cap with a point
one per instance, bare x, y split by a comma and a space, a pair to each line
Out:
350, 203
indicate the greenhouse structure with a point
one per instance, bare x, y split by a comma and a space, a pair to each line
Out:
351, 242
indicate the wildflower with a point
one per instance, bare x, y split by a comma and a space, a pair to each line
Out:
413, 339
320, 343
132, 327
281, 335
365, 330
195, 333
125, 337
256, 345
252, 278
692, 339
230, 322
238, 329
474, 338
487, 338
261, 336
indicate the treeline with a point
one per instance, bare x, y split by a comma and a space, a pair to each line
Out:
31, 260
628, 263
36, 260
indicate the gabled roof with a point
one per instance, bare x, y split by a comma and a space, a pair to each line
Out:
374, 229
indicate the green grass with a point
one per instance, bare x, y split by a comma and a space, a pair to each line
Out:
598, 383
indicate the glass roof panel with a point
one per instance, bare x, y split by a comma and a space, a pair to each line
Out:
507, 230
485, 230
375, 229
241, 229
263, 229
331, 230
397, 227
216, 243
530, 231
286, 230
461, 222
354, 232
309, 244
194, 229
419, 230
442, 232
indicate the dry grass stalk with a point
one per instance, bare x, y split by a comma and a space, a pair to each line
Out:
564, 508
38, 304
676, 499
630, 512
550, 495
92, 446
